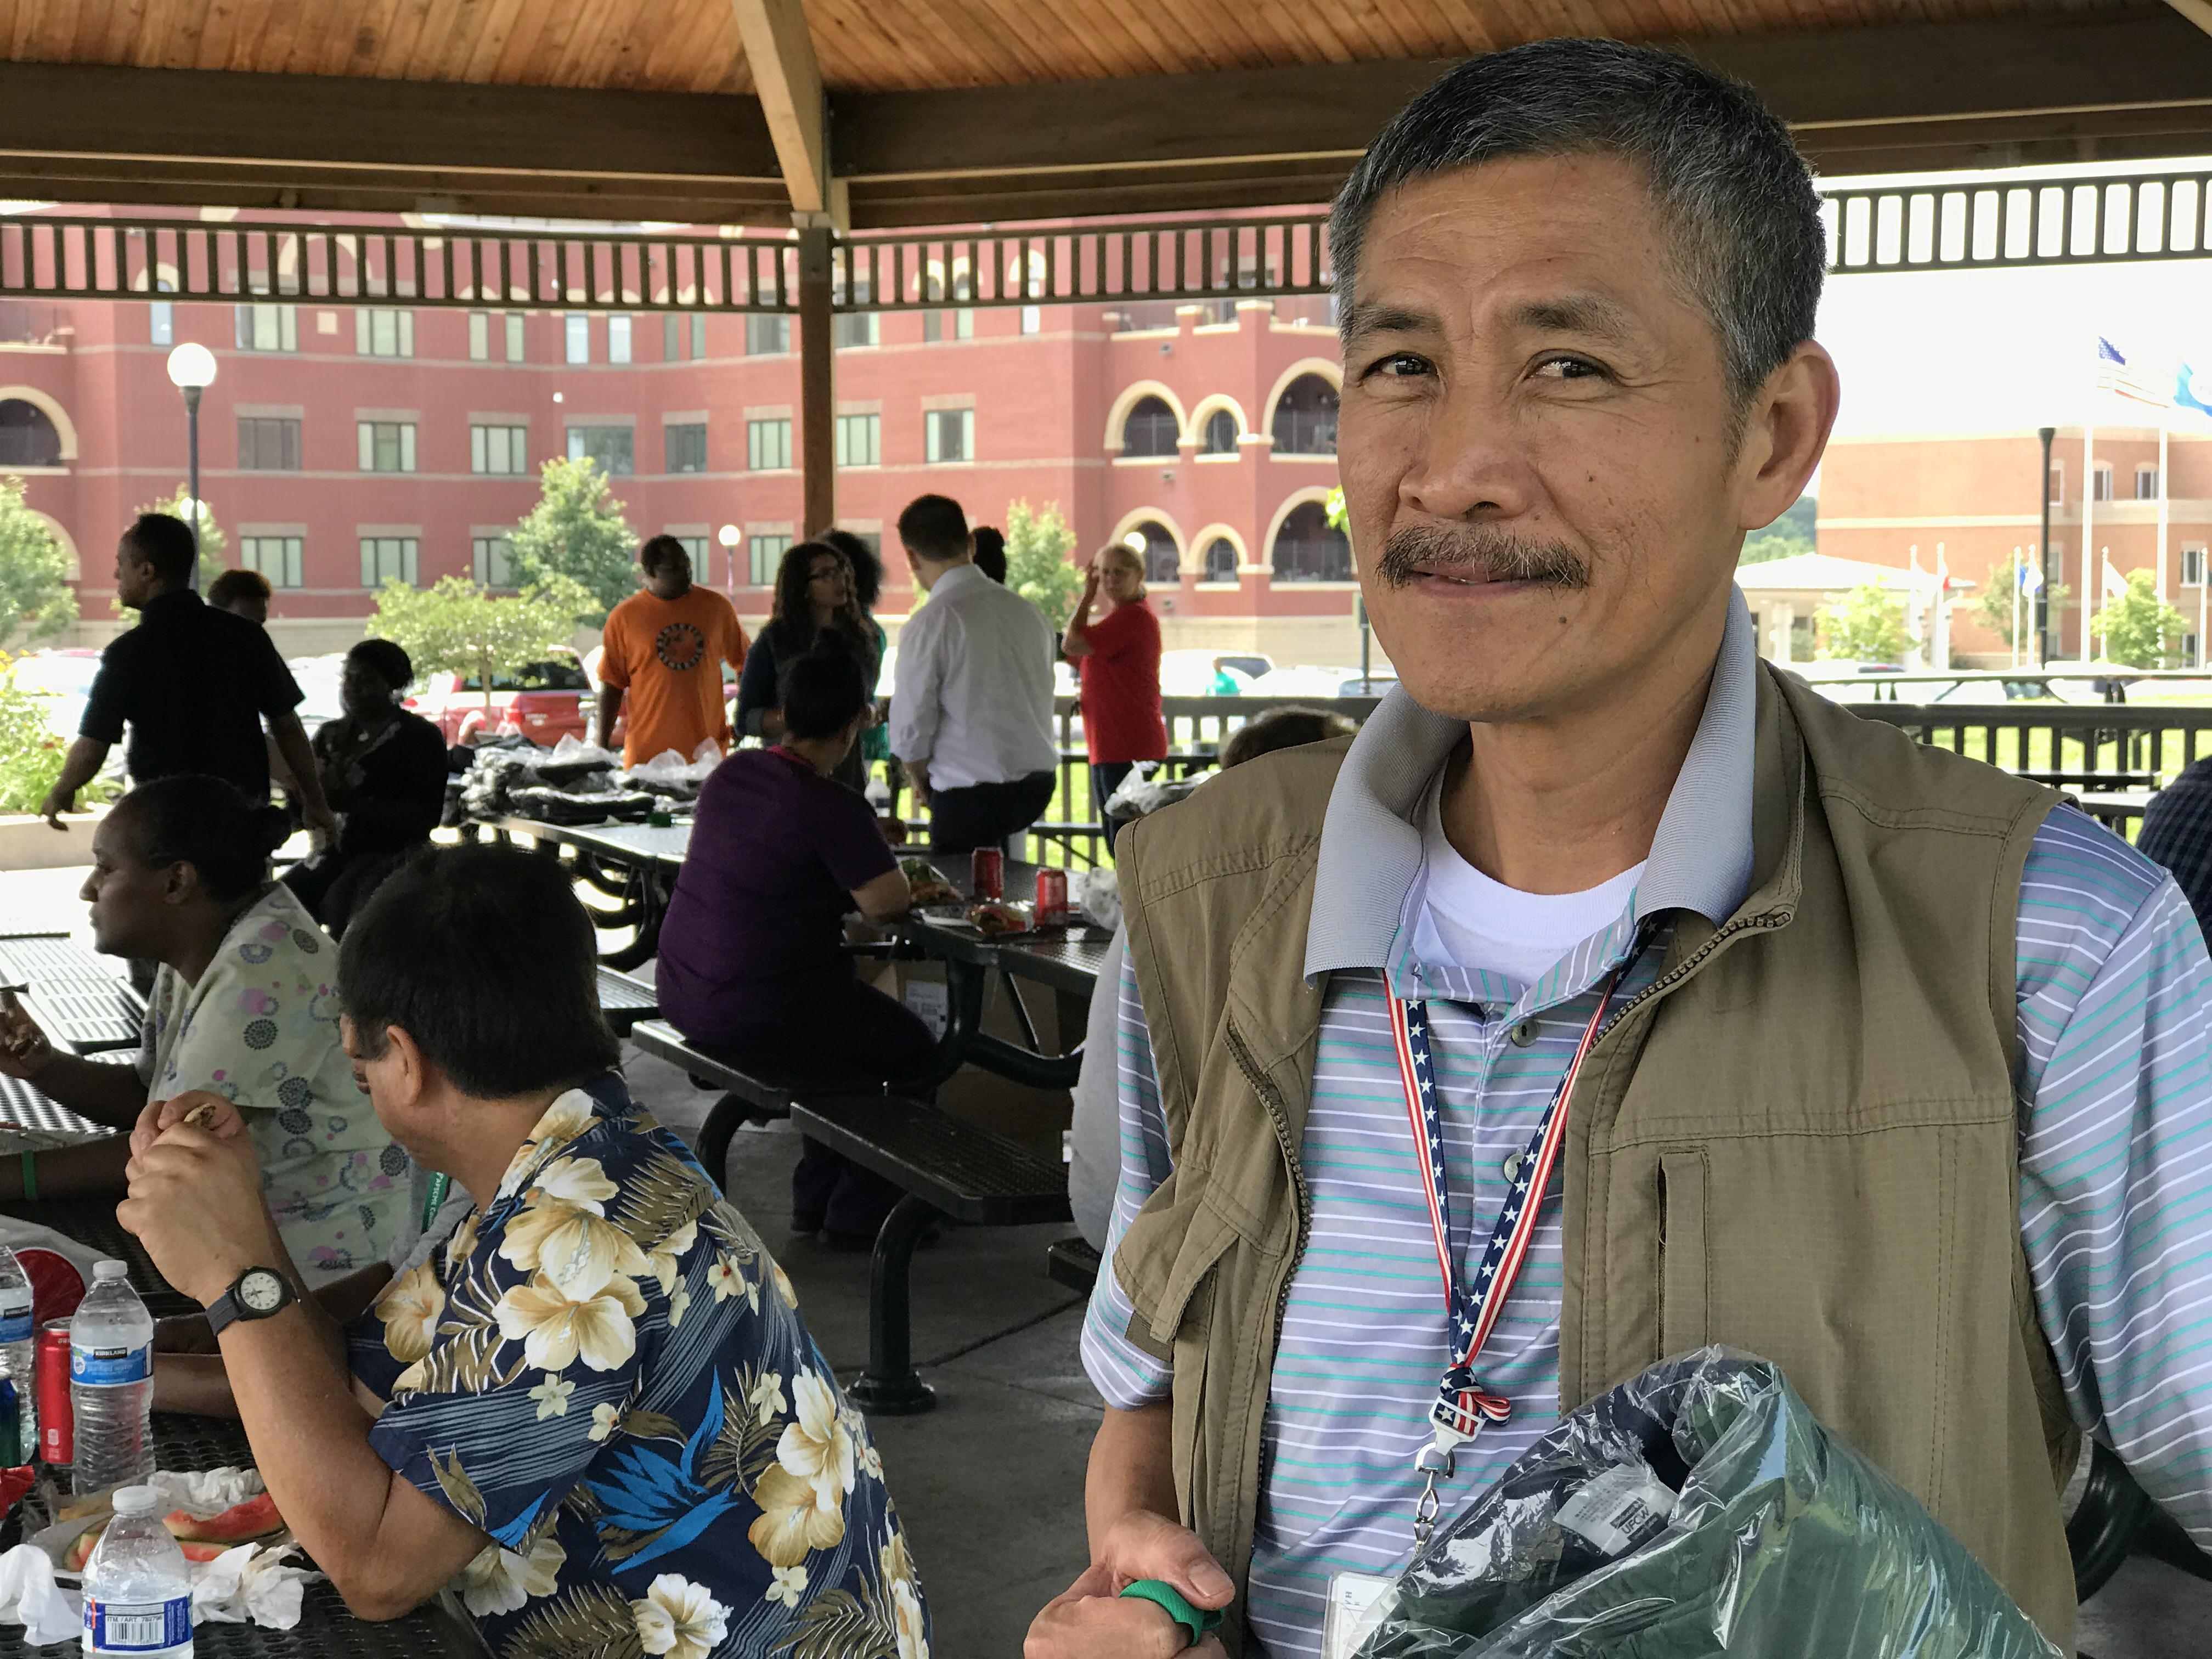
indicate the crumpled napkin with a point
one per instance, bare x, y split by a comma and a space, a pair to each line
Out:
30, 1597
250, 1582
206, 1493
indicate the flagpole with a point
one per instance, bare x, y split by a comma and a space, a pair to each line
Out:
2019, 575
2161, 508
2088, 517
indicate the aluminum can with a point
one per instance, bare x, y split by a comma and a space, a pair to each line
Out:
986, 873
51, 1364
1051, 896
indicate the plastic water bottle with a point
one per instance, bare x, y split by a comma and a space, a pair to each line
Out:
112, 1382
137, 1589
17, 1350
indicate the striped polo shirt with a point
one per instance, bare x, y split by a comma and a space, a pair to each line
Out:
2116, 1133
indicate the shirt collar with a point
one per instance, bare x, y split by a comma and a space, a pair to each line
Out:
1370, 846
955, 579
174, 602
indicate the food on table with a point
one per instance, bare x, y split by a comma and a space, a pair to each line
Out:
201, 1116
203, 1538
927, 883
992, 917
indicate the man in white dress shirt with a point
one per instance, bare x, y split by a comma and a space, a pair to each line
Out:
971, 704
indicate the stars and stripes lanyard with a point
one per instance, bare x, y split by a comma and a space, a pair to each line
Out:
1462, 1405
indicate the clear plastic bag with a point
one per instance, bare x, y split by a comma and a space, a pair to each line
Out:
1698, 1508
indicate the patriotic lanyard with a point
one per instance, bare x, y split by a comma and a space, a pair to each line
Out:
1462, 1405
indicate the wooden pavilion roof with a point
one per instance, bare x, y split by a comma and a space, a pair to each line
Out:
882, 113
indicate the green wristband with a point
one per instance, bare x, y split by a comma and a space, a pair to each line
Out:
1170, 1601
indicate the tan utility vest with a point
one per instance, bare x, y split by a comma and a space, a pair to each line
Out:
1801, 1140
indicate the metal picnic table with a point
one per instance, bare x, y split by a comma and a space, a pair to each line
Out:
2113, 807
635, 863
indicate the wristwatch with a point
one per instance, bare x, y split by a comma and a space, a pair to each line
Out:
254, 1294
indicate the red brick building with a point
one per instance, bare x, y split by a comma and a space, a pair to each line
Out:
343, 445
1975, 495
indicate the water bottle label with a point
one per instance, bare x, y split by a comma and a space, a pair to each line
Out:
136, 1627
102, 1366
15, 1322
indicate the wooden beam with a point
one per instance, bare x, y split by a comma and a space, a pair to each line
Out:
817, 391
2198, 12
780, 53
221, 139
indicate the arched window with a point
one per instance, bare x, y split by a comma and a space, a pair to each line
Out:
1161, 558
1220, 433
1221, 560
1305, 417
1308, 548
28, 438
1150, 429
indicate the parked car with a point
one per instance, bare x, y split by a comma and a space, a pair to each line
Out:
542, 701
62, 680
318, 680
1374, 685
1303, 680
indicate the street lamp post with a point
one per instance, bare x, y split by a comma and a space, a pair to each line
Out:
192, 370
2043, 555
727, 535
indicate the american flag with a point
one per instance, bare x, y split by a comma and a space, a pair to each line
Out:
2117, 375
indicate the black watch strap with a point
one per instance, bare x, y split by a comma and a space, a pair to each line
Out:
230, 1307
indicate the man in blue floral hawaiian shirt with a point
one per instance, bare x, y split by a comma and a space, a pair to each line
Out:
595, 1410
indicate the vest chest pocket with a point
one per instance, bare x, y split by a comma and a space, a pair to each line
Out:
1685, 1259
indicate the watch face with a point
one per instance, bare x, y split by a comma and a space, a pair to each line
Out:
261, 1291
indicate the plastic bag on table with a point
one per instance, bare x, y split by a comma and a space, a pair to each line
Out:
571, 759
1698, 1508
1097, 894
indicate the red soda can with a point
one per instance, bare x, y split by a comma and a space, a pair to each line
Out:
986, 873
1051, 897
50, 1365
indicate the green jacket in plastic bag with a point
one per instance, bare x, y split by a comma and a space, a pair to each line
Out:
1698, 1509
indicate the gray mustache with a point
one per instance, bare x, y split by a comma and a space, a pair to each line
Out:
1478, 550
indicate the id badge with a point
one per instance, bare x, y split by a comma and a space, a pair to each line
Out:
1357, 1602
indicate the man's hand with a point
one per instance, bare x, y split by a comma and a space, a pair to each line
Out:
203, 1108
57, 801
1091, 1620
25, 1050
196, 1205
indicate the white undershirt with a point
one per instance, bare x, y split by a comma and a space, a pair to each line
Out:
1467, 920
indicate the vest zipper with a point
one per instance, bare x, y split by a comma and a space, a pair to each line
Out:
1765, 921
1273, 1102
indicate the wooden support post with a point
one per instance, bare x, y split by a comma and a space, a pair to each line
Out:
818, 406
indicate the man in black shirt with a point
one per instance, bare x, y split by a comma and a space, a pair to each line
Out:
193, 682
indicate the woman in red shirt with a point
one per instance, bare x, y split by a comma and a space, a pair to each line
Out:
1118, 657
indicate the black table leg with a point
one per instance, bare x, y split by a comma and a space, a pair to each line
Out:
891, 1386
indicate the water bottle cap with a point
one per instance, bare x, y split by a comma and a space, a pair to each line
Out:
106, 1270
136, 1500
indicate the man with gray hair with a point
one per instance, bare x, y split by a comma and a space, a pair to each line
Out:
1610, 994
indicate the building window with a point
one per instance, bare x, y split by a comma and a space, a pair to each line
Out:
499, 449
1161, 558
1305, 417
268, 444
618, 338
162, 323
948, 326
1309, 548
513, 337
2057, 483
683, 338
491, 566
28, 436
387, 446
578, 336
387, 559
762, 555
1150, 429
1220, 433
2146, 484
276, 558
859, 440
768, 446
769, 336
697, 549
948, 434
2192, 567
1032, 320
1221, 560
2104, 477
854, 328
687, 447
479, 337
378, 332
268, 328
614, 448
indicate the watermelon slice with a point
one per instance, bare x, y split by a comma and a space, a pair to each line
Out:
256, 1518
80, 1551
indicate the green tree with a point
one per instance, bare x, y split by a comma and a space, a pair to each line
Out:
34, 590
2140, 629
1038, 565
215, 546
577, 530
1994, 603
454, 624
1866, 625
1788, 536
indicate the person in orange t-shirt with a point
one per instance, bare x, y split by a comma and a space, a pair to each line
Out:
665, 651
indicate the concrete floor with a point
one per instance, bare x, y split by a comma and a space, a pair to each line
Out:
991, 1482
